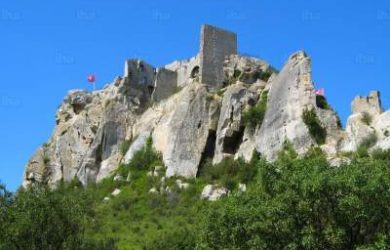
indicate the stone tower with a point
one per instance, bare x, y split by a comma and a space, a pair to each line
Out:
215, 45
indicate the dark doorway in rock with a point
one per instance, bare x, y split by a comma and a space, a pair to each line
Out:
231, 144
208, 152
150, 89
195, 72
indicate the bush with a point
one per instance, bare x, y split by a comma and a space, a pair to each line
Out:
176, 239
305, 204
366, 118
43, 219
124, 147
146, 158
255, 115
379, 154
313, 124
322, 103
265, 76
228, 173
369, 141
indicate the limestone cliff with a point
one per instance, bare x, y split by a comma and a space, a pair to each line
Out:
196, 110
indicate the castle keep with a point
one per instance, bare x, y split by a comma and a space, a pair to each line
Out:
206, 67
215, 45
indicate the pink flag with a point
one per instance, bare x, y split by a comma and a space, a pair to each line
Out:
91, 78
320, 92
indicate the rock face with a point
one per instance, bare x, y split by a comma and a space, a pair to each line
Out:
370, 104
193, 111
213, 193
290, 93
188, 130
230, 130
368, 123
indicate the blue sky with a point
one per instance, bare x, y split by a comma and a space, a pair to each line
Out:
49, 47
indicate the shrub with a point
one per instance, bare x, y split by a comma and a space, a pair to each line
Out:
313, 124
339, 124
228, 173
176, 239
322, 103
262, 75
366, 118
255, 115
124, 147
305, 204
365, 145
379, 154
369, 141
265, 76
146, 158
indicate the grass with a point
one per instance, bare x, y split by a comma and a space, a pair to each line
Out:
255, 115
313, 124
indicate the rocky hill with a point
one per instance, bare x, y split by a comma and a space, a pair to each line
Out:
216, 105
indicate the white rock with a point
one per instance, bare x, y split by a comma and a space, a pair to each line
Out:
182, 185
242, 187
213, 193
116, 192
158, 168
290, 93
118, 178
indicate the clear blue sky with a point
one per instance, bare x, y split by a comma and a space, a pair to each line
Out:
48, 47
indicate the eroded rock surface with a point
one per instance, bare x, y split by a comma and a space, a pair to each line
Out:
190, 123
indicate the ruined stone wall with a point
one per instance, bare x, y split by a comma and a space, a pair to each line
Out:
165, 85
215, 45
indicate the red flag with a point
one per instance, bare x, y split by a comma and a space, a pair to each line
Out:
320, 92
91, 78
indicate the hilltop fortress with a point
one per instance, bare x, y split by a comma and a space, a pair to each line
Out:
215, 105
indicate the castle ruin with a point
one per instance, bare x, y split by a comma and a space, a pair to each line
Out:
206, 67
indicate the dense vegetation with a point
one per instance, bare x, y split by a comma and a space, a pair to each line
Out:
254, 116
313, 124
293, 203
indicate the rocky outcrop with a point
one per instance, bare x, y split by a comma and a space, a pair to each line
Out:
370, 104
368, 125
189, 122
230, 130
290, 93
188, 132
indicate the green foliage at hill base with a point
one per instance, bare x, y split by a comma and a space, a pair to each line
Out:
293, 203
